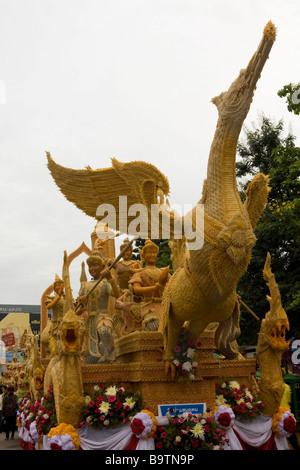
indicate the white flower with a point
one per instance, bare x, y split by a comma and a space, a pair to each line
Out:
234, 384
249, 405
30, 415
198, 431
216, 447
87, 399
220, 400
96, 388
187, 366
104, 407
111, 391
249, 394
177, 439
223, 385
176, 362
46, 416
195, 364
106, 422
89, 419
190, 353
129, 402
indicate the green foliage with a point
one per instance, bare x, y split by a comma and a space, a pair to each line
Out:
278, 230
292, 94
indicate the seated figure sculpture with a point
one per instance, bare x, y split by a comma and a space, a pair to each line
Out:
98, 342
141, 303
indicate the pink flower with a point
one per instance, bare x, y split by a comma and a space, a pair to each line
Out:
177, 349
111, 398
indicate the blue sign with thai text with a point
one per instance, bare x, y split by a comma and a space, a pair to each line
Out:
193, 408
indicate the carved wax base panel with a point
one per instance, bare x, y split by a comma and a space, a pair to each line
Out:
139, 363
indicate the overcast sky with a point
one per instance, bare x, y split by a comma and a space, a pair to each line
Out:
132, 79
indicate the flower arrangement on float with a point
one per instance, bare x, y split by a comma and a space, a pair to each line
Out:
46, 415
240, 398
184, 355
111, 405
38, 416
190, 432
64, 437
284, 422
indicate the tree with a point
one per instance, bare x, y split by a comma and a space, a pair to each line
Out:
266, 150
292, 94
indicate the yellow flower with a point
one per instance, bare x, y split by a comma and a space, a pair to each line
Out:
111, 391
198, 431
104, 407
220, 400
129, 402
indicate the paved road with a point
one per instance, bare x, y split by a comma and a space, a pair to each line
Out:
11, 444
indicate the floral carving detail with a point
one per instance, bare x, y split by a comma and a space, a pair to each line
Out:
237, 239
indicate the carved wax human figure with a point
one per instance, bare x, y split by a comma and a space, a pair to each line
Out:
98, 342
125, 267
56, 304
148, 285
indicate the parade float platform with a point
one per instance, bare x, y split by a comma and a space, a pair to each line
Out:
139, 362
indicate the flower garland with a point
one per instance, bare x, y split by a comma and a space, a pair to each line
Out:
64, 437
190, 432
284, 423
184, 354
144, 424
111, 405
240, 398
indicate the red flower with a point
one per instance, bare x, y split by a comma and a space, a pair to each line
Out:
159, 445
289, 425
224, 419
137, 426
54, 446
195, 444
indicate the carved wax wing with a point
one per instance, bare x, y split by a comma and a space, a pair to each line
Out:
140, 182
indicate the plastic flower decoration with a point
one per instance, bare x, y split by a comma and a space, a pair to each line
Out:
284, 423
64, 437
144, 424
224, 416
